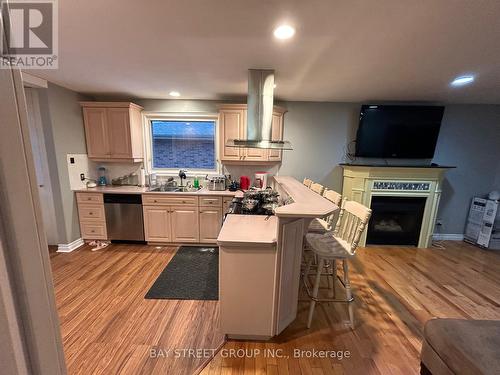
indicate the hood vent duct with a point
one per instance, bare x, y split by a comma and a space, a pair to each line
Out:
260, 113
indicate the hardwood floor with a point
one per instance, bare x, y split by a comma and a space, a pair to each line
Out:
107, 325
108, 328
397, 290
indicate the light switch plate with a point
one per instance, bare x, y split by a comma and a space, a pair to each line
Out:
80, 165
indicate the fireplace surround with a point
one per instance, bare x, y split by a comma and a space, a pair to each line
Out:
404, 201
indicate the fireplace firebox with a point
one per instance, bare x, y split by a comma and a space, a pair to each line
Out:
395, 220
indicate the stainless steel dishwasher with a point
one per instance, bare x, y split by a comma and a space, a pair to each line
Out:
124, 219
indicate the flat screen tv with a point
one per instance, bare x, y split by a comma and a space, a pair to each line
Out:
398, 131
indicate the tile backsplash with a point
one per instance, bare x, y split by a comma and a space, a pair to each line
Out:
79, 163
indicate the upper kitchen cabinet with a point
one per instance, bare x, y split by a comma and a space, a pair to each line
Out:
233, 125
232, 121
113, 131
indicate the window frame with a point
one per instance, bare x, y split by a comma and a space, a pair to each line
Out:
185, 117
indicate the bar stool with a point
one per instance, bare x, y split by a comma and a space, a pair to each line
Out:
317, 188
307, 182
321, 225
338, 245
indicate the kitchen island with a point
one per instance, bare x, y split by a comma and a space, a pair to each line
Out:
259, 263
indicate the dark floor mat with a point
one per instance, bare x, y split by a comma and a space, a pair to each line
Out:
193, 273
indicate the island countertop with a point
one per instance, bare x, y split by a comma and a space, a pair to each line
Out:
241, 230
306, 203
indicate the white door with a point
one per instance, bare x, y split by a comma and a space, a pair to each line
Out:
41, 165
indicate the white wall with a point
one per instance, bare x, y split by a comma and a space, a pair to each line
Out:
319, 133
64, 134
470, 140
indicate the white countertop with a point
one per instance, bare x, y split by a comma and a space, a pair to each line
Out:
244, 230
306, 203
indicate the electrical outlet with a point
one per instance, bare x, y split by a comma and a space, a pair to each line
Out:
82, 176
439, 222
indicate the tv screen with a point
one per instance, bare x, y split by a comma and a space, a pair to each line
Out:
398, 131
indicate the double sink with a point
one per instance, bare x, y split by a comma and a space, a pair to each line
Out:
175, 189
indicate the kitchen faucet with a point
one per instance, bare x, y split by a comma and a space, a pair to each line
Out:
182, 175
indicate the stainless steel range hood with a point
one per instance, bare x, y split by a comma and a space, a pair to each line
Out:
260, 113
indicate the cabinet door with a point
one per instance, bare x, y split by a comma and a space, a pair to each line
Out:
96, 133
185, 224
157, 224
255, 154
291, 244
210, 224
226, 204
119, 132
231, 123
276, 135
252, 154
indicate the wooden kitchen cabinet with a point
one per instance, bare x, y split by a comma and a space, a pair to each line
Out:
157, 224
226, 203
210, 224
91, 216
171, 218
113, 131
185, 224
276, 135
96, 133
232, 120
233, 125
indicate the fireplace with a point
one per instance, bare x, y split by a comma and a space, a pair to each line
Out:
404, 200
395, 220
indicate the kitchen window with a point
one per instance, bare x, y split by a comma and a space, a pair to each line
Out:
183, 144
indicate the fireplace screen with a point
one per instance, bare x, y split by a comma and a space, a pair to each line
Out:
395, 220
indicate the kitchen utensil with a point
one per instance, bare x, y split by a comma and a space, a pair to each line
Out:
233, 186
245, 182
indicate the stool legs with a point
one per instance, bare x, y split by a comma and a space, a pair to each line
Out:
347, 284
315, 290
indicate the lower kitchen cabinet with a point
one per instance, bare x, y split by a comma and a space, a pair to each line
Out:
185, 224
91, 216
157, 224
210, 224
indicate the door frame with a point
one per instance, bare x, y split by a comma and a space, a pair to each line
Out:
32, 343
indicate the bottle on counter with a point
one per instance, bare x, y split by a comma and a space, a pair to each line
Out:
102, 180
196, 182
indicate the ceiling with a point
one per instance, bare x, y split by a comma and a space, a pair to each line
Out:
353, 50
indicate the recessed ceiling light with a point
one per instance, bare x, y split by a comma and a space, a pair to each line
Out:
462, 80
275, 85
174, 93
284, 32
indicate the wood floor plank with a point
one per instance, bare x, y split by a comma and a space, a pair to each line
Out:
109, 328
397, 290
107, 325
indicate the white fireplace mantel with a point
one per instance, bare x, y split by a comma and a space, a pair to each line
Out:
362, 182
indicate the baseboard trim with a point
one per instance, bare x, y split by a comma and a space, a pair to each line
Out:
447, 237
69, 247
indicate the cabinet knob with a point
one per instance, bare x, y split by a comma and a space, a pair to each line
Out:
89, 199
90, 213
92, 231
183, 201
155, 200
